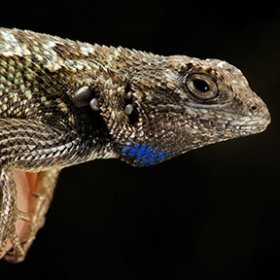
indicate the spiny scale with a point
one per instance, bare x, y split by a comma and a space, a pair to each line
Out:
64, 102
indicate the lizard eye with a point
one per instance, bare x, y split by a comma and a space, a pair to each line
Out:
202, 86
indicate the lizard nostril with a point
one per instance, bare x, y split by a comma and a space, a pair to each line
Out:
253, 108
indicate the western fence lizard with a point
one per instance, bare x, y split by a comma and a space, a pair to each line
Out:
64, 102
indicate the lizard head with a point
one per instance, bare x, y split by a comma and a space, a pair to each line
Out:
176, 104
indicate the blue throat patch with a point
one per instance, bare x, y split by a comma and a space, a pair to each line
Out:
144, 154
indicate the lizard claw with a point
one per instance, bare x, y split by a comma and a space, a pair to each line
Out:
23, 216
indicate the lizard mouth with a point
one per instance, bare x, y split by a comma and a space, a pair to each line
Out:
255, 124
244, 125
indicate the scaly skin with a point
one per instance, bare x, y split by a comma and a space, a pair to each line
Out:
64, 102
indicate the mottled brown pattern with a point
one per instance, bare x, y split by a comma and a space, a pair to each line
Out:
64, 102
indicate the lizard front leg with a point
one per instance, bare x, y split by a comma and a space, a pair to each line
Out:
35, 147
40, 199
8, 210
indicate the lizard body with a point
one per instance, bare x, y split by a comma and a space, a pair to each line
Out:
64, 102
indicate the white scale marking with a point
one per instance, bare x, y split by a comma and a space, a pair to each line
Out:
10, 46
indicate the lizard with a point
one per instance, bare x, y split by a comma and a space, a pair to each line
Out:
64, 102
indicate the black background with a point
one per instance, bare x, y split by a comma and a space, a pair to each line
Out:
211, 212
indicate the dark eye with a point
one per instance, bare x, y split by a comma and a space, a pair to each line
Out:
202, 86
